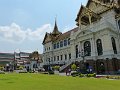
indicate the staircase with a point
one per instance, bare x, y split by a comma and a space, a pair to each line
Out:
65, 66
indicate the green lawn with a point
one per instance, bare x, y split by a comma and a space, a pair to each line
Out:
54, 82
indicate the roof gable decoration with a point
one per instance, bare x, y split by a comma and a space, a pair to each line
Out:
47, 38
107, 4
93, 9
99, 5
86, 16
84, 33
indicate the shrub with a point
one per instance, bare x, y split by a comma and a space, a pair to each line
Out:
73, 67
22, 72
107, 77
2, 72
44, 72
1, 68
75, 74
19, 68
113, 77
56, 68
81, 75
91, 75
31, 71
51, 72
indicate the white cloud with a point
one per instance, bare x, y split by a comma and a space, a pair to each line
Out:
13, 36
14, 33
39, 33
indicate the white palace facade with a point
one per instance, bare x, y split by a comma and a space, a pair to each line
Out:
95, 41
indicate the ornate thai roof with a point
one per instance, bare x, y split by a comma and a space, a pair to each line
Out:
49, 37
52, 36
55, 30
92, 9
65, 35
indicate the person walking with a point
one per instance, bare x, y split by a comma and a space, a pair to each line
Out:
66, 71
69, 71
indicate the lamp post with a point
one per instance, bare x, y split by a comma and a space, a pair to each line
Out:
58, 63
83, 57
64, 63
49, 67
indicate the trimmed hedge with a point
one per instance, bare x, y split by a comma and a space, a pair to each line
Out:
91, 75
51, 72
2, 72
75, 74
22, 72
81, 75
113, 77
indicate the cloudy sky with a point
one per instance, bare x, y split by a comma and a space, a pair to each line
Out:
23, 23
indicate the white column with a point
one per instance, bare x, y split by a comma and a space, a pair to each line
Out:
107, 45
93, 46
73, 51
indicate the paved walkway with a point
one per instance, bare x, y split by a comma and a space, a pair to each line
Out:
62, 74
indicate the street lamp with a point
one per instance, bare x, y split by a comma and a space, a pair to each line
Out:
64, 63
58, 62
83, 57
49, 67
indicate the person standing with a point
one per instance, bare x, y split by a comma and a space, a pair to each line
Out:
69, 71
66, 71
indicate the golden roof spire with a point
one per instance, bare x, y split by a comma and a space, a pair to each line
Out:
55, 30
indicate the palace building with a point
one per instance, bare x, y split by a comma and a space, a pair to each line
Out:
94, 43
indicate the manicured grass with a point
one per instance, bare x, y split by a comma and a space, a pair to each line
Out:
54, 82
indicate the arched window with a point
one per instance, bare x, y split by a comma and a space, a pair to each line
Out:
68, 41
61, 43
99, 47
55, 46
76, 47
58, 45
87, 48
114, 45
65, 42
119, 24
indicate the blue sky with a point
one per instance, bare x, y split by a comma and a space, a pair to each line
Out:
23, 23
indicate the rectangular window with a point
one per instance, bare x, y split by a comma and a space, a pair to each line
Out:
61, 43
58, 45
119, 24
69, 41
76, 51
55, 46
65, 42
54, 58
49, 60
61, 57
57, 58
65, 56
69, 56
